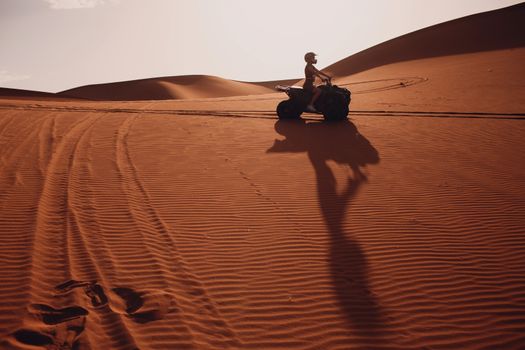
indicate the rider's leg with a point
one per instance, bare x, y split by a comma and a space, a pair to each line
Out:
315, 96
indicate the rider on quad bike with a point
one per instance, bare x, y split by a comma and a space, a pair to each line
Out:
310, 72
329, 100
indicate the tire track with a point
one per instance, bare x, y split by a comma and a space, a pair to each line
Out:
270, 114
46, 141
5, 122
9, 158
199, 312
52, 216
83, 264
60, 252
20, 186
51, 256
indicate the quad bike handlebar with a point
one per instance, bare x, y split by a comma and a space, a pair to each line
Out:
286, 88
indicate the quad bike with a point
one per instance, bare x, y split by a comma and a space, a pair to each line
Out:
333, 102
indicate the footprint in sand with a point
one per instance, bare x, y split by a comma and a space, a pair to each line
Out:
93, 290
52, 316
67, 325
123, 300
141, 309
31, 337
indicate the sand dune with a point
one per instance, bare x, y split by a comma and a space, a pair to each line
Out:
206, 223
495, 30
7, 93
180, 87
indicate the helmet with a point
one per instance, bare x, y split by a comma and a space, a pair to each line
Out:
309, 56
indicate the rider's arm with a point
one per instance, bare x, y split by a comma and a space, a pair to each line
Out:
321, 74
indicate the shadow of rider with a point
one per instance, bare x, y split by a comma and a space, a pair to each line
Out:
340, 142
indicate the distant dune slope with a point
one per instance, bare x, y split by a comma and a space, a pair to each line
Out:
29, 94
494, 30
166, 88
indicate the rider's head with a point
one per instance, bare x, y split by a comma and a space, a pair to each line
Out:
309, 57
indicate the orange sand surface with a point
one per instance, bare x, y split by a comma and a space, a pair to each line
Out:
206, 223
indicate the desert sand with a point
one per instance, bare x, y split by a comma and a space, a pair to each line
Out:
179, 213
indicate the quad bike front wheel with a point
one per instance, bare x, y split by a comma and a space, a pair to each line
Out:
336, 108
288, 110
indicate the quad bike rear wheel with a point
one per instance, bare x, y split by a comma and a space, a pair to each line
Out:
288, 110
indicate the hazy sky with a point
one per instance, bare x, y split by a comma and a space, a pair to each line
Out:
54, 45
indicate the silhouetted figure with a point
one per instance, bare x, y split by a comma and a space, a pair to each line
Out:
310, 72
342, 143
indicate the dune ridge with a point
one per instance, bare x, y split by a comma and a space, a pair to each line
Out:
489, 31
179, 87
31, 95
